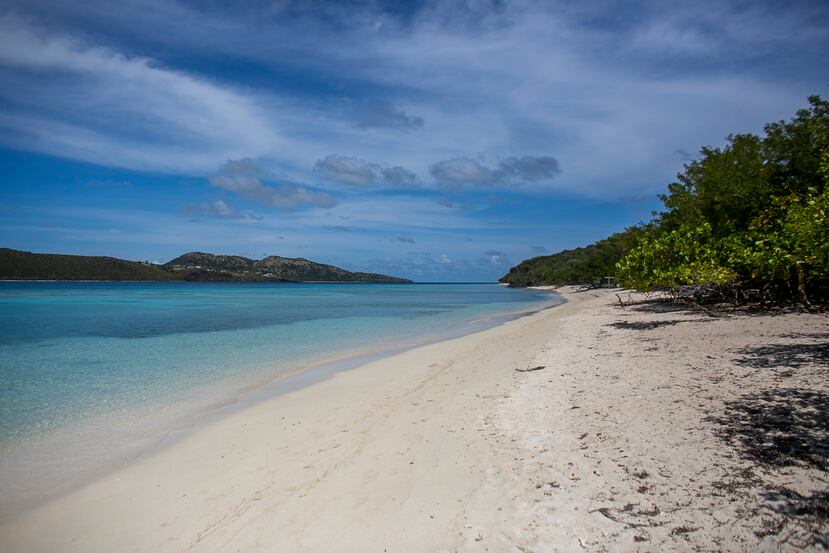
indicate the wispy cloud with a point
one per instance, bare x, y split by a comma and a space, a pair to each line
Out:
463, 170
497, 258
387, 117
347, 170
514, 171
357, 172
494, 80
488, 79
247, 178
113, 108
399, 177
529, 168
219, 209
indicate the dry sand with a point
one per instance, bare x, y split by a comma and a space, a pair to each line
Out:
649, 428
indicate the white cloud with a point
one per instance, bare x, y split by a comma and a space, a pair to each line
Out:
529, 168
347, 170
458, 171
463, 170
400, 177
387, 117
612, 97
356, 172
245, 177
219, 209
97, 104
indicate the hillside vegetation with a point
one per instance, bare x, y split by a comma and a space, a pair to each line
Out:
201, 266
587, 265
748, 221
18, 265
194, 266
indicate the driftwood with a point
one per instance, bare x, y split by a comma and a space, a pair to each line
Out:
622, 304
761, 294
531, 369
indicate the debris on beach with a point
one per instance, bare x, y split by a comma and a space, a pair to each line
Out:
531, 369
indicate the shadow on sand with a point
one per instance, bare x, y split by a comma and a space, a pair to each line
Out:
661, 305
786, 355
645, 325
778, 428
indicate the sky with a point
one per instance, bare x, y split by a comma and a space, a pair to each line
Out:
439, 141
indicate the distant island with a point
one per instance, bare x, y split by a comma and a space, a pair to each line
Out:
193, 266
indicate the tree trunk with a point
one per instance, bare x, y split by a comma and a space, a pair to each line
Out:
801, 286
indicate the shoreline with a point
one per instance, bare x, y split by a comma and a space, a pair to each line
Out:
625, 436
324, 393
206, 405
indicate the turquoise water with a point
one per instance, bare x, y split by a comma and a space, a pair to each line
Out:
71, 351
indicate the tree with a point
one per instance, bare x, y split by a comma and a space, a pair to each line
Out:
751, 212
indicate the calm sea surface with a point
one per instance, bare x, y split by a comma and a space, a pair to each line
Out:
73, 351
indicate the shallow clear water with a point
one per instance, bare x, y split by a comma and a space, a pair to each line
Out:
73, 350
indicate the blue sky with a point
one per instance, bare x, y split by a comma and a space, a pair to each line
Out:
438, 141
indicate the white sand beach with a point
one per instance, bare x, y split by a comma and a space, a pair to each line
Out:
642, 431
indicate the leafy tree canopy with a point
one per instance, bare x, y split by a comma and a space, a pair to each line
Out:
752, 215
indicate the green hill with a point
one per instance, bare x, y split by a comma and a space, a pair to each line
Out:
584, 265
193, 266
19, 265
203, 266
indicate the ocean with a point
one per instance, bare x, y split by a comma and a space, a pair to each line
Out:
107, 363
